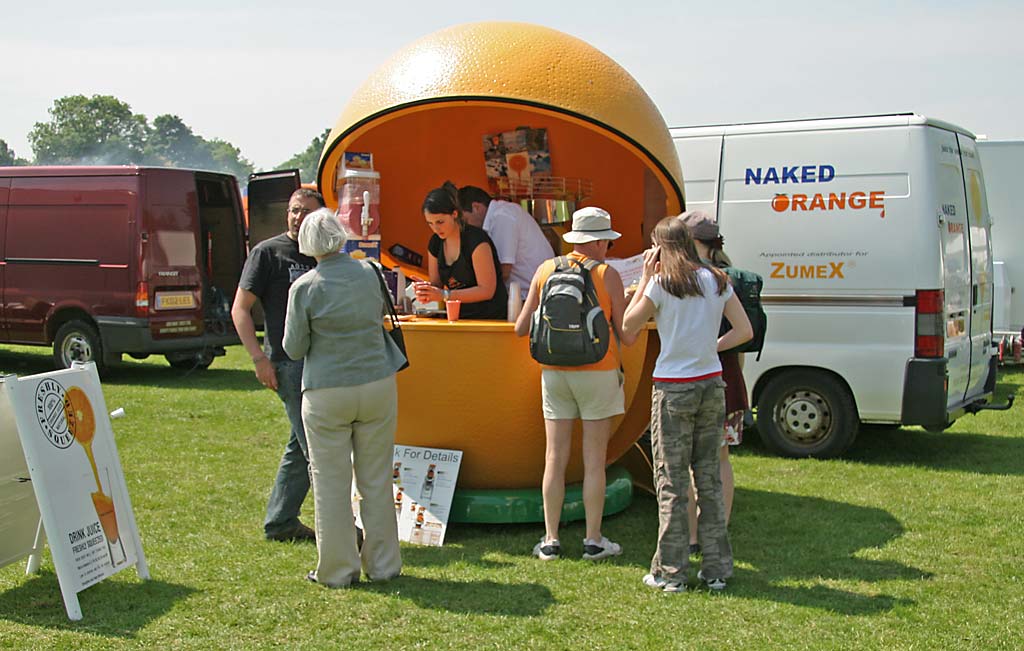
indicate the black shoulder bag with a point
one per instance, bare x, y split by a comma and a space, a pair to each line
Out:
396, 330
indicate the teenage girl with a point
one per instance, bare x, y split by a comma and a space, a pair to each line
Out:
687, 298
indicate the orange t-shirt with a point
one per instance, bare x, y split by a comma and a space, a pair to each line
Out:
610, 361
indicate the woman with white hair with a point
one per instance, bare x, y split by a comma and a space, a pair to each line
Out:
349, 403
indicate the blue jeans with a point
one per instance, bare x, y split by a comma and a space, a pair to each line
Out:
292, 482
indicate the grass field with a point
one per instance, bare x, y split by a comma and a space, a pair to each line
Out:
913, 541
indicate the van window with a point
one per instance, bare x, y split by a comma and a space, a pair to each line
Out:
955, 268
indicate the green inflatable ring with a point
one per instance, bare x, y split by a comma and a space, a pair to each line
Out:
502, 505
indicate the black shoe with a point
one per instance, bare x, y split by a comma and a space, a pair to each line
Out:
300, 532
694, 549
311, 576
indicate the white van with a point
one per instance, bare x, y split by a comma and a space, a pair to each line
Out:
1003, 161
872, 235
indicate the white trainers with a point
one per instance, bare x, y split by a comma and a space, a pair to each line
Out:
713, 584
595, 550
547, 550
659, 583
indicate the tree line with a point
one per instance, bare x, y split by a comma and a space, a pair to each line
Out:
103, 130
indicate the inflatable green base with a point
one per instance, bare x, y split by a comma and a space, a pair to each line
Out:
501, 505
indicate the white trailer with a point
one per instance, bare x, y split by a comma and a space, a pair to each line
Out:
1003, 163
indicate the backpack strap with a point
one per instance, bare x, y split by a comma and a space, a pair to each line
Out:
561, 263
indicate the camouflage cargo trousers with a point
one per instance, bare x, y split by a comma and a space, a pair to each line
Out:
686, 429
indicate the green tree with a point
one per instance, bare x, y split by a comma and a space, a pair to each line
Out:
308, 161
89, 130
228, 158
103, 130
8, 157
171, 142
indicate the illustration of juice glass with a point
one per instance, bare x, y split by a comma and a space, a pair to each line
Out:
82, 423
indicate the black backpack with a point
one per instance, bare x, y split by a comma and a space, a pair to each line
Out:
747, 286
569, 327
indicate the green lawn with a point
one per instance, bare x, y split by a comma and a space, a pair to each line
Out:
913, 541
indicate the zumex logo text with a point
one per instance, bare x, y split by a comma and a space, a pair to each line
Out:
812, 201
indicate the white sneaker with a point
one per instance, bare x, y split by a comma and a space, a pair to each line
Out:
659, 583
547, 550
595, 550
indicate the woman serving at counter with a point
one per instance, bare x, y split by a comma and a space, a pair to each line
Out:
462, 261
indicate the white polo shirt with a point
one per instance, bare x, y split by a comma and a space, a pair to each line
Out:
518, 240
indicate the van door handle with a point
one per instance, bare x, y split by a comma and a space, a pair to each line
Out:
953, 353
974, 294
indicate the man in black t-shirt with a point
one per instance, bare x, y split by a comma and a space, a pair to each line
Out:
271, 268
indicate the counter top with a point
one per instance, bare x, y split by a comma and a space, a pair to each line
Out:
465, 325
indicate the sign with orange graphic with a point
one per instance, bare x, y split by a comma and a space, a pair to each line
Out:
76, 476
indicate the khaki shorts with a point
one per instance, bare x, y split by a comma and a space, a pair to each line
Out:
590, 395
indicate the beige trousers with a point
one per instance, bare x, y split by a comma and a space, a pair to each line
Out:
353, 428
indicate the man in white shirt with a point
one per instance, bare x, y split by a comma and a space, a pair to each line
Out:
520, 243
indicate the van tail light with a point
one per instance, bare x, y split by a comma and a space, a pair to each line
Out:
142, 299
929, 330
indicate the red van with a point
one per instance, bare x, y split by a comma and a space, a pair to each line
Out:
102, 261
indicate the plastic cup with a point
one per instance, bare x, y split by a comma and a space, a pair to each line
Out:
452, 306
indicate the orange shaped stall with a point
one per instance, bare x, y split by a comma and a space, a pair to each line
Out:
472, 385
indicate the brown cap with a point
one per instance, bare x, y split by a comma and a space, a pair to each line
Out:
701, 226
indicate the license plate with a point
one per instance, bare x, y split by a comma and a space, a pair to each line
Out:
175, 301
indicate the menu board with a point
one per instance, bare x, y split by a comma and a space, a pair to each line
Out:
76, 476
630, 269
424, 485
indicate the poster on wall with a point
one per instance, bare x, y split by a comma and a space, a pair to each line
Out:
513, 158
424, 485
76, 476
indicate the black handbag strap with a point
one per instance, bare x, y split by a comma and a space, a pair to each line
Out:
388, 303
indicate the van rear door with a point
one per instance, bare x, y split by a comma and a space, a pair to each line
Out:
956, 261
979, 226
269, 193
170, 254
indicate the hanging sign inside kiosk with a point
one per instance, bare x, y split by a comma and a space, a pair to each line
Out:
76, 476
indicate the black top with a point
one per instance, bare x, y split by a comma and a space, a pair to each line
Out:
460, 274
271, 268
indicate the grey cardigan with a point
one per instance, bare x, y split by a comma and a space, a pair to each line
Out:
334, 318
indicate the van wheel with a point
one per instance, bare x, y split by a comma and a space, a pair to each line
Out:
807, 414
77, 341
195, 361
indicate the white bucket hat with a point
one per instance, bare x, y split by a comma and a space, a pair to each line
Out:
590, 225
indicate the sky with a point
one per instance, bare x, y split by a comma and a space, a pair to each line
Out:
270, 76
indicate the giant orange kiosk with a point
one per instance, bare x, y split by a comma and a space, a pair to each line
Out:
423, 115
